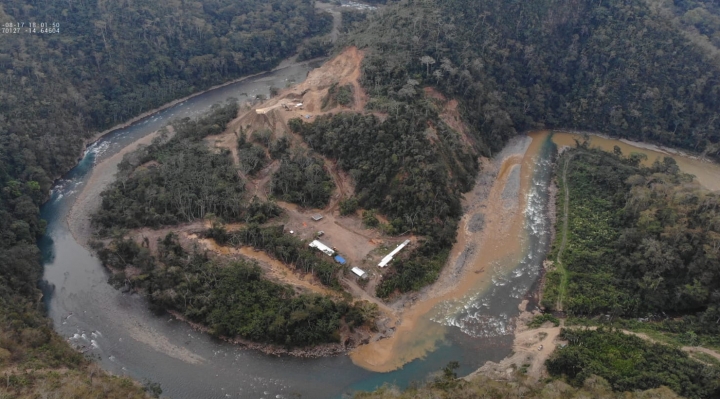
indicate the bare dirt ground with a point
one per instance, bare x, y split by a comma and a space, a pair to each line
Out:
275, 113
346, 234
449, 113
531, 348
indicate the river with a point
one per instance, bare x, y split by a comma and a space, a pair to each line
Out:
127, 339
472, 325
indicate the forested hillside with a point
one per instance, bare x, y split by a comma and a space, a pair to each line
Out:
176, 179
610, 66
699, 19
232, 298
641, 242
630, 363
110, 62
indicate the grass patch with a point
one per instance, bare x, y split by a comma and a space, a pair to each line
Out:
541, 319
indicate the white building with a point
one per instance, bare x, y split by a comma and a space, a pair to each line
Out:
324, 248
384, 262
359, 272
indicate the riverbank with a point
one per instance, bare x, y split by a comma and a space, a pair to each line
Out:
88, 200
286, 63
704, 170
316, 351
290, 62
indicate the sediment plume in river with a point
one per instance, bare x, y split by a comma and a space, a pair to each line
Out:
497, 205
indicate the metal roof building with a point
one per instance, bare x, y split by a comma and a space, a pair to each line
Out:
359, 272
384, 262
339, 259
324, 248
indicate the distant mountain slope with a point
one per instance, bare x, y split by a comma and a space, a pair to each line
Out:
609, 66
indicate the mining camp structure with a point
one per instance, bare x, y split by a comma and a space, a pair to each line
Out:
384, 262
359, 272
322, 247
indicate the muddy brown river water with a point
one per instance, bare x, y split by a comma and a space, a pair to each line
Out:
707, 173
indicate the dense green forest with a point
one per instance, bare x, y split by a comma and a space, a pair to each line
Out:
630, 363
703, 16
182, 180
303, 180
111, 61
609, 66
412, 167
699, 19
351, 19
232, 298
641, 241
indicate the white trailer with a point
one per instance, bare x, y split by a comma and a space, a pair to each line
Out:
384, 262
359, 272
322, 247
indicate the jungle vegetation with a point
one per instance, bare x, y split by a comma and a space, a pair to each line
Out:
629, 363
698, 19
110, 62
338, 95
176, 179
642, 241
351, 19
616, 67
315, 48
303, 180
252, 157
232, 298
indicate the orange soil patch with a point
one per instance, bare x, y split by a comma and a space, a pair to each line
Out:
273, 268
449, 113
343, 69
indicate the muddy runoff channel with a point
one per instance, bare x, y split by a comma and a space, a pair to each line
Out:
468, 316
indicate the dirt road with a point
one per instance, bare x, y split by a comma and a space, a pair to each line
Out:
532, 347
563, 242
